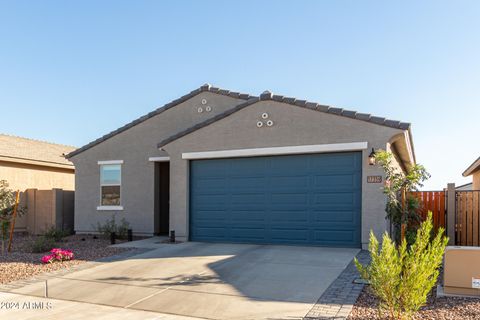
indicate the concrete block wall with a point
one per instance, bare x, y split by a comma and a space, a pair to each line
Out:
46, 209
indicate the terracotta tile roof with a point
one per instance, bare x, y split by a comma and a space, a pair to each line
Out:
21, 149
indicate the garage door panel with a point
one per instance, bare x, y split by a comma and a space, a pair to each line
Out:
289, 234
333, 164
209, 168
246, 167
248, 198
286, 165
289, 199
289, 182
247, 216
335, 182
211, 215
246, 183
210, 232
341, 198
299, 199
211, 184
289, 216
334, 236
334, 216
211, 199
248, 233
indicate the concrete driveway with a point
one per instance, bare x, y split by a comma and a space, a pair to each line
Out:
213, 281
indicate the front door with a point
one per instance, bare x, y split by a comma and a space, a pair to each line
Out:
162, 198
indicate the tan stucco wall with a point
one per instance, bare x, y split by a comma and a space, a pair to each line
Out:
390, 147
293, 126
476, 180
26, 176
134, 146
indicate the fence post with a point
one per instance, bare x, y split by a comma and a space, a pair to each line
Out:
451, 213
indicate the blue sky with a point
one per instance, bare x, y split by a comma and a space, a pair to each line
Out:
72, 71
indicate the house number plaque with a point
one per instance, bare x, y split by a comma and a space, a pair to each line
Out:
374, 179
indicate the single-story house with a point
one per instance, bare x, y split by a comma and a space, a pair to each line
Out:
45, 179
474, 171
222, 166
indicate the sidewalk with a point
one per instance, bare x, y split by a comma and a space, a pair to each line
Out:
20, 307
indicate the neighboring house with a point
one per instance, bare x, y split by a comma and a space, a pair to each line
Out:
464, 187
221, 166
474, 171
36, 168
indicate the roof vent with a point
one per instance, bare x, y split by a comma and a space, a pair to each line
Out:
266, 95
206, 86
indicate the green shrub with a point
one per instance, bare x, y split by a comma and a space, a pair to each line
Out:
55, 234
402, 277
110, 226
122, 229
42, 244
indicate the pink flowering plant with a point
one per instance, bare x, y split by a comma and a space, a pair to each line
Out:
58, 254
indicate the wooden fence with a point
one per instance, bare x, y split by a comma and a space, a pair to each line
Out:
467, 224
434, 201
466, 218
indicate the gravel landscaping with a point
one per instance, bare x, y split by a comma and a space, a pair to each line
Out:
444, 308
21, 263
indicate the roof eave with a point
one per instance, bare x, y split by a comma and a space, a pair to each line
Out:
37, 162
204, 88
304, 104
472, 168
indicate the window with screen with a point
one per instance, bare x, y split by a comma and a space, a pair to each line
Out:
110, 184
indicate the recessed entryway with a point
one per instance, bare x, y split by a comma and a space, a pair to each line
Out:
162, 197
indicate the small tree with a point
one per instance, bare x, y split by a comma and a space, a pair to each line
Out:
397, 182
7, 204
402, 277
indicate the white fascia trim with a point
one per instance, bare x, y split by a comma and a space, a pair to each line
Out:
256, 152
111, 162
409, 147
473, 167
159, 159
109, 208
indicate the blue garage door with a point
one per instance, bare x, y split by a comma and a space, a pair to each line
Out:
310, 199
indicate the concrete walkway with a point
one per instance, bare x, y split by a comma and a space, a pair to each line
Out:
149, 243
20, 307
214, 281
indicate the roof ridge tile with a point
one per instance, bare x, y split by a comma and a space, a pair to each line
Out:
36, 140
204, 88
249, 99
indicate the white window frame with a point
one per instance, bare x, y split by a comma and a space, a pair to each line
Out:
159, 159
106, 207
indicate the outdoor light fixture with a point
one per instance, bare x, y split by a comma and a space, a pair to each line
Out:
371, 157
